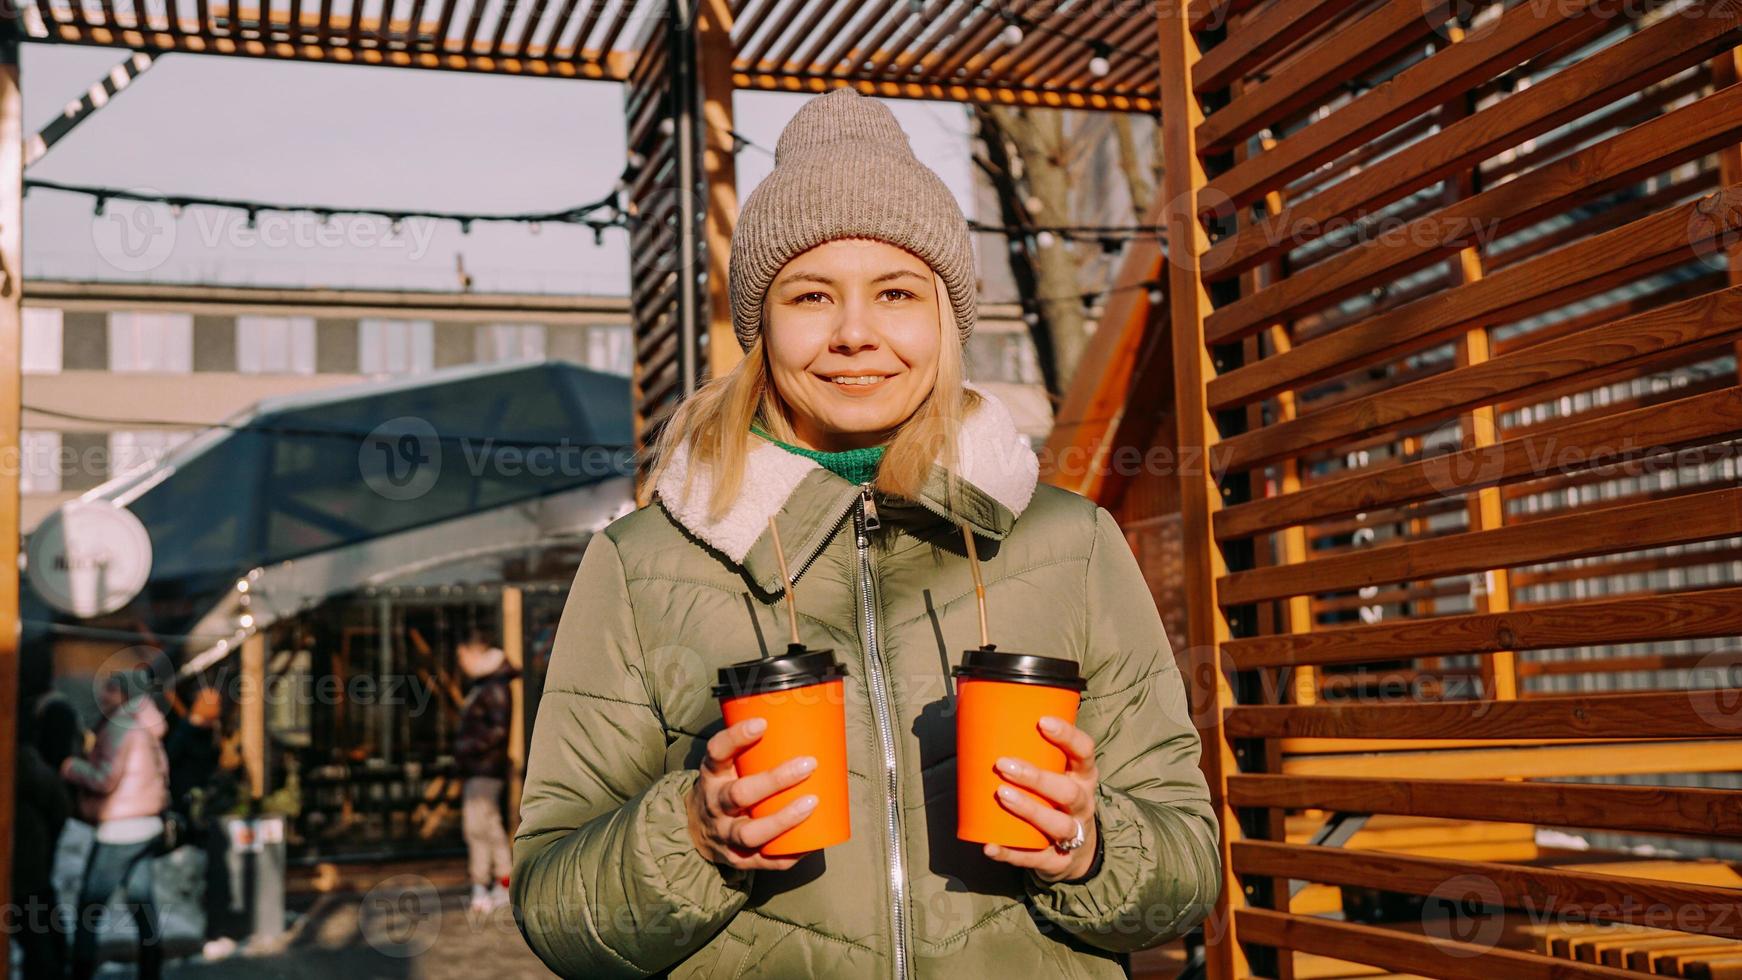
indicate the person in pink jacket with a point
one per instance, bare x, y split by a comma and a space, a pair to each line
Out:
123, 789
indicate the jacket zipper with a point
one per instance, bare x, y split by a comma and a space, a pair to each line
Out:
864, 519
818, 552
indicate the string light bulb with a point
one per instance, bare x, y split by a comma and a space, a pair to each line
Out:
1100, 64
1011, 35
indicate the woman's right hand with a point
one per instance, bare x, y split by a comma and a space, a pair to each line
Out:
720, 802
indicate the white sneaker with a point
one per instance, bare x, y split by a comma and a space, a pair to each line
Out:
217, 949
498, 896
481, 899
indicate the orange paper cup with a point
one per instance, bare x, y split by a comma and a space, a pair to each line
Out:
1000, 699
801, 694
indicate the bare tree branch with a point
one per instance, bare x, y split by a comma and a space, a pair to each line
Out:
1141, 190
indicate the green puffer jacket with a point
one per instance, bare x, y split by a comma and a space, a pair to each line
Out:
607, 882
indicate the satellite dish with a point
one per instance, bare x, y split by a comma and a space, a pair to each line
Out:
89, 557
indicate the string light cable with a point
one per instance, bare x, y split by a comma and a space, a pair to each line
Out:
607, 212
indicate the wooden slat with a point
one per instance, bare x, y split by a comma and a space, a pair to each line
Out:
1652, 54
1573, 446
1609, 214
782, 57
1676, 714
1646, 149
917, 50
1515, 36
1703, 909
1342, 54
608, 41
1593, 531
1407, 953
1277, 26
1655, 242
1722, 659
1601, 123
1551, 761
1643, 809
1651, 618
812, 53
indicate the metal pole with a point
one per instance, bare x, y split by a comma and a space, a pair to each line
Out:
683, 100
383, 721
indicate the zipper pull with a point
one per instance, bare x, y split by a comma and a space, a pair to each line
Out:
869, 506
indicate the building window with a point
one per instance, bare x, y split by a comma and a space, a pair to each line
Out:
395, 346
499, 342
611, 349
275, 344
156, 342
42, 340
40, 470
133, 452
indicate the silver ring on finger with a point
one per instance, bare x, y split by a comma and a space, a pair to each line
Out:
1067, 846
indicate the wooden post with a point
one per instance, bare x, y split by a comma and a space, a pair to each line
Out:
11, 295
719, 174
513, 646
1206, 626
254, 713
1480, 428
1726, 71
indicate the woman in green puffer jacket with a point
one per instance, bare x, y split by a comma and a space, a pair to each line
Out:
849, 435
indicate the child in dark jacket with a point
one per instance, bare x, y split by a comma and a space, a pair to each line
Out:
481, 752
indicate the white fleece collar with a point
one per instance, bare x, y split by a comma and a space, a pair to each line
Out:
995, 459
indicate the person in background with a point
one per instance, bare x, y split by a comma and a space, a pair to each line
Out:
481, 752
201, 792
42, 812
123, 785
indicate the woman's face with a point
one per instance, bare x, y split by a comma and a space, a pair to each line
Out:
852, 308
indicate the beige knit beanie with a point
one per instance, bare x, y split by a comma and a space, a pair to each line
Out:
843, 169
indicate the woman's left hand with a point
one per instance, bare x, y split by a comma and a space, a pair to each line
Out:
1073, 792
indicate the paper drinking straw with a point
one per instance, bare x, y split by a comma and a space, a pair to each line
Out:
791, 600
979, 587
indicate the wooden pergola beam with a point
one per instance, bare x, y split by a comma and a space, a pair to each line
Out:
989, 94
612, 66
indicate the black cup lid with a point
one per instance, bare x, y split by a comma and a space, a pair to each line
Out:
987, 664
797, 667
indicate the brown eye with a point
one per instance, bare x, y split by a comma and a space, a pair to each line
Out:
900, 293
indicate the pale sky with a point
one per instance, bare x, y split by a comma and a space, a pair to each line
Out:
339, 135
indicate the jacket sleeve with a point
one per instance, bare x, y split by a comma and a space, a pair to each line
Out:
100, 772
1161, 860
606, 880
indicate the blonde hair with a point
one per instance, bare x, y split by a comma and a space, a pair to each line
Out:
714, 422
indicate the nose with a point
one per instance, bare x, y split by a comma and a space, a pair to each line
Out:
853, 330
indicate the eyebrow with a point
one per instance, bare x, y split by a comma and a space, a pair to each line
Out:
827, 281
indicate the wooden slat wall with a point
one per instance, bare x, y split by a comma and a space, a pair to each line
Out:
657, 268
1455, 305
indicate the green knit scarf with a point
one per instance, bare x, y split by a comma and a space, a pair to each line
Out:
852, 465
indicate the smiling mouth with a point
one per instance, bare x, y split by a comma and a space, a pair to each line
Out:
856, 380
